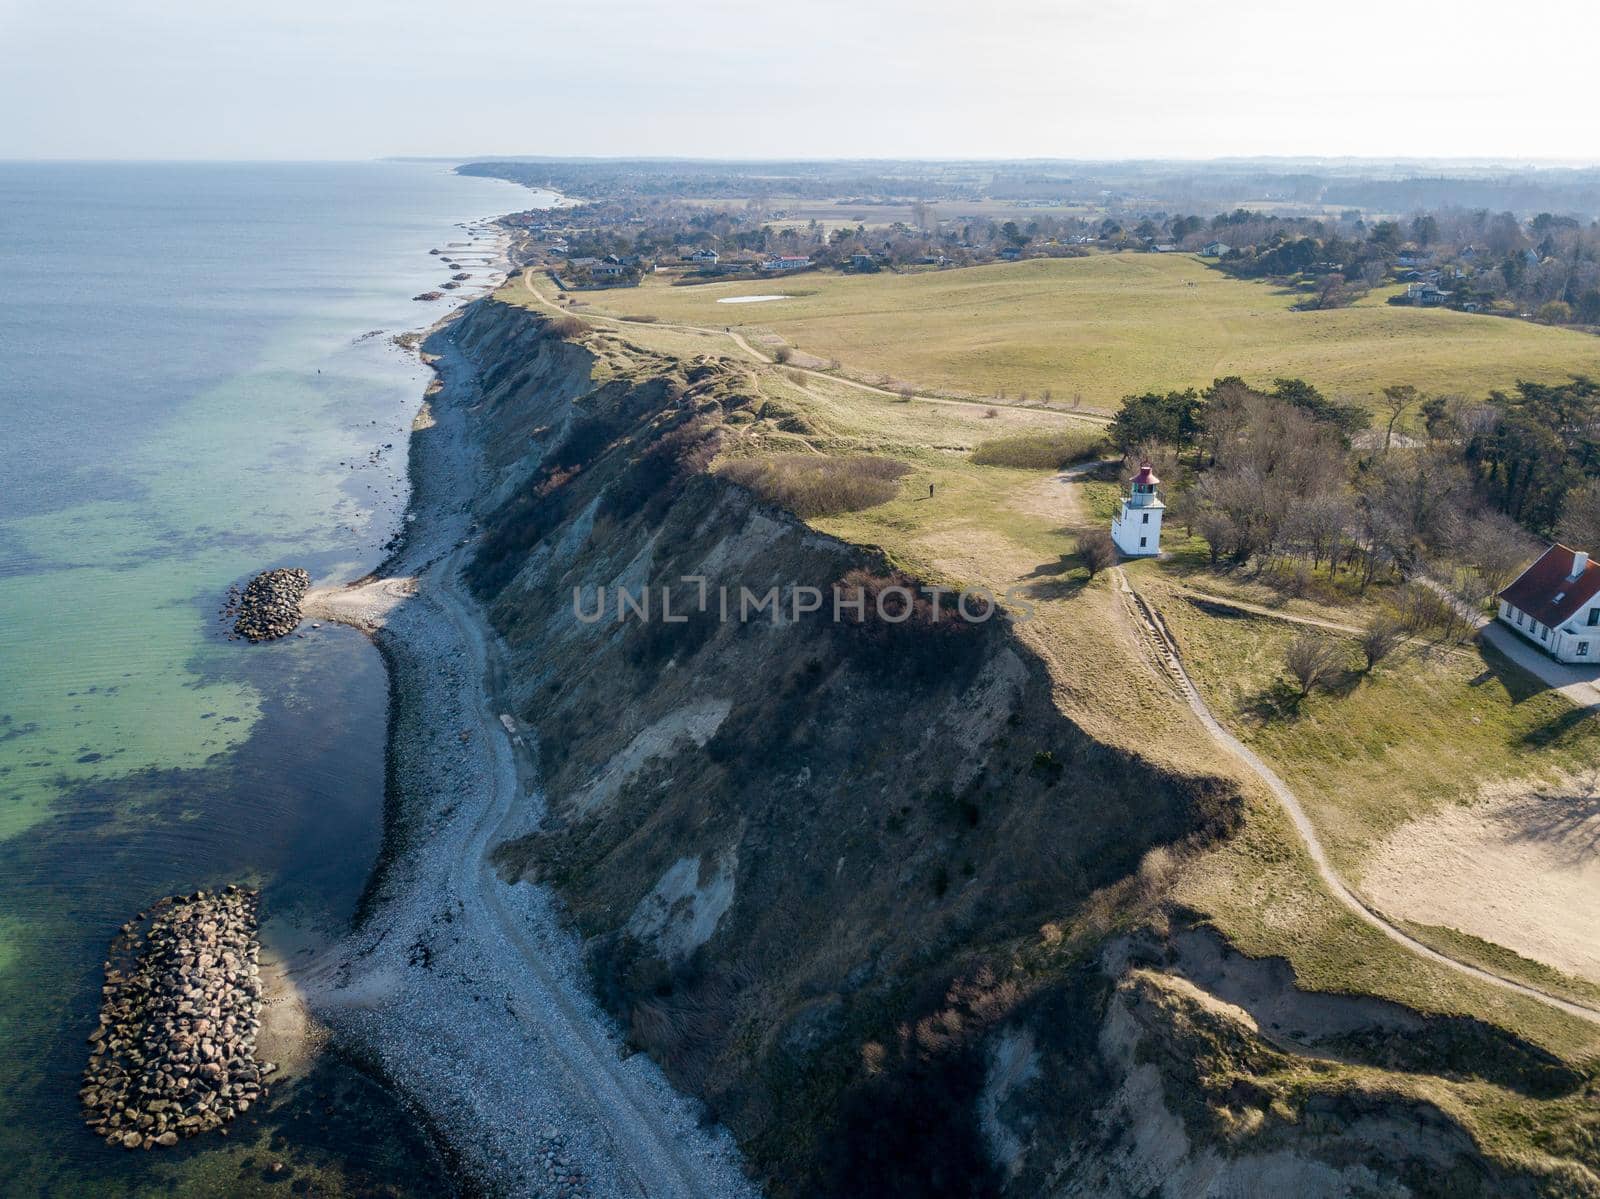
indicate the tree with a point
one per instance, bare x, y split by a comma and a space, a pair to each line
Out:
1580, 517
1380, 638
1397, 399
1311, 658
1098, 551
1173, 419
1556, 312
1498, 547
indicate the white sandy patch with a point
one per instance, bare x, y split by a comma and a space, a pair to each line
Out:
684, 907
698, 722
1520, 868
751, 299
1013, 1063
366, 606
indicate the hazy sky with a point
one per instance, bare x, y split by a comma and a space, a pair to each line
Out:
1000, 78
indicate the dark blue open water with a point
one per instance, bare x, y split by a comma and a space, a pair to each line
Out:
186, 396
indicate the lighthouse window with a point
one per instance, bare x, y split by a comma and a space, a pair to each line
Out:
1594, 617
1142, 540
1146, 518
1583, 649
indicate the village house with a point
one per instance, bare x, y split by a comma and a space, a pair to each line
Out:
1214, 249
1555, 604
786, 262
1426, 294
702, 258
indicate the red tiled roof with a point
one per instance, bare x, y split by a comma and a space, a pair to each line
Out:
1536, 589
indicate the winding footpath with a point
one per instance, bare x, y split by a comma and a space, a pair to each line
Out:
1149, 620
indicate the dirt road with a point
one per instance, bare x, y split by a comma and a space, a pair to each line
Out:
1167, 650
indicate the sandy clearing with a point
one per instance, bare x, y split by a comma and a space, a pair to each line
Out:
1520, 868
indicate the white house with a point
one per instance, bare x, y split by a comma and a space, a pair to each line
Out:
1555, 604
786, 262
1136, 529
1214, 249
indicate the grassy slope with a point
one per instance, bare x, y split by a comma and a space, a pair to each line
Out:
1107, 325
1005, 528
1428, 728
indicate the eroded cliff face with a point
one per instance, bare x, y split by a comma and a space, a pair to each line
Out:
849, 881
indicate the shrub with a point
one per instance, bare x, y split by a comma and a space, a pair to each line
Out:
817, 485
1098, 551
644, 318
1312, 659
782, 354
567, 326
1049, 450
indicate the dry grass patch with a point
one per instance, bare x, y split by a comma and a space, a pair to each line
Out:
1050, 449
812, 485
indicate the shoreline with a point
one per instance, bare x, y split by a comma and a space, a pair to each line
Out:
468, 994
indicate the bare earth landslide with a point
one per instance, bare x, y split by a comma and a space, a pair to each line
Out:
469, 991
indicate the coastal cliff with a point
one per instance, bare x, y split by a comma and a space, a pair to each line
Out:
858, 884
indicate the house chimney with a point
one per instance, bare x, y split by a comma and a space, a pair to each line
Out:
1580, 562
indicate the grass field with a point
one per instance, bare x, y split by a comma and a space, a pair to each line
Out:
1004, 527
1110, 324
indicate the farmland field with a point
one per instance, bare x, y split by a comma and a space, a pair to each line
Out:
1103, 326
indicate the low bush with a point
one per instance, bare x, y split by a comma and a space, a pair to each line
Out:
818, 485
567, 326
1040, 451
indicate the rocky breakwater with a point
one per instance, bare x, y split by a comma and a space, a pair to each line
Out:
270, 605
174, 1053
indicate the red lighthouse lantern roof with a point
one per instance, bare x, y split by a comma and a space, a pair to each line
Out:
1147, 474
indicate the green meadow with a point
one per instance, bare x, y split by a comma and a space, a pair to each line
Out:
1097, 328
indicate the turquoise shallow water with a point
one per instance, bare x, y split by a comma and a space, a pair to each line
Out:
193, 387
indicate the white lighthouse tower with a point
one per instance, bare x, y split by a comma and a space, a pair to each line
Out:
1137, 527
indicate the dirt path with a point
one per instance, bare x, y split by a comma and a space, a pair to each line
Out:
1166, 649
1332, 626
738, 339
468, 989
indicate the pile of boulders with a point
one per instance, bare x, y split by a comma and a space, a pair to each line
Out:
270, 605
429, 295
174, 1054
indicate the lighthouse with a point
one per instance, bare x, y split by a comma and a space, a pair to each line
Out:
1137, 527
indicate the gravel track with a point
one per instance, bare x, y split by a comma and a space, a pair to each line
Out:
469, 991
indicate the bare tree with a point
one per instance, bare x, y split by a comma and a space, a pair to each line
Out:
1380, 638
1497, 546
1097, 550
1311, 659
1580, 517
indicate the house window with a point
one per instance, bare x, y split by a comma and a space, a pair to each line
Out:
1519, 617
1583, 649
1594, 617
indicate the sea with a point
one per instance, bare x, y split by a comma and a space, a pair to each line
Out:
199, 379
